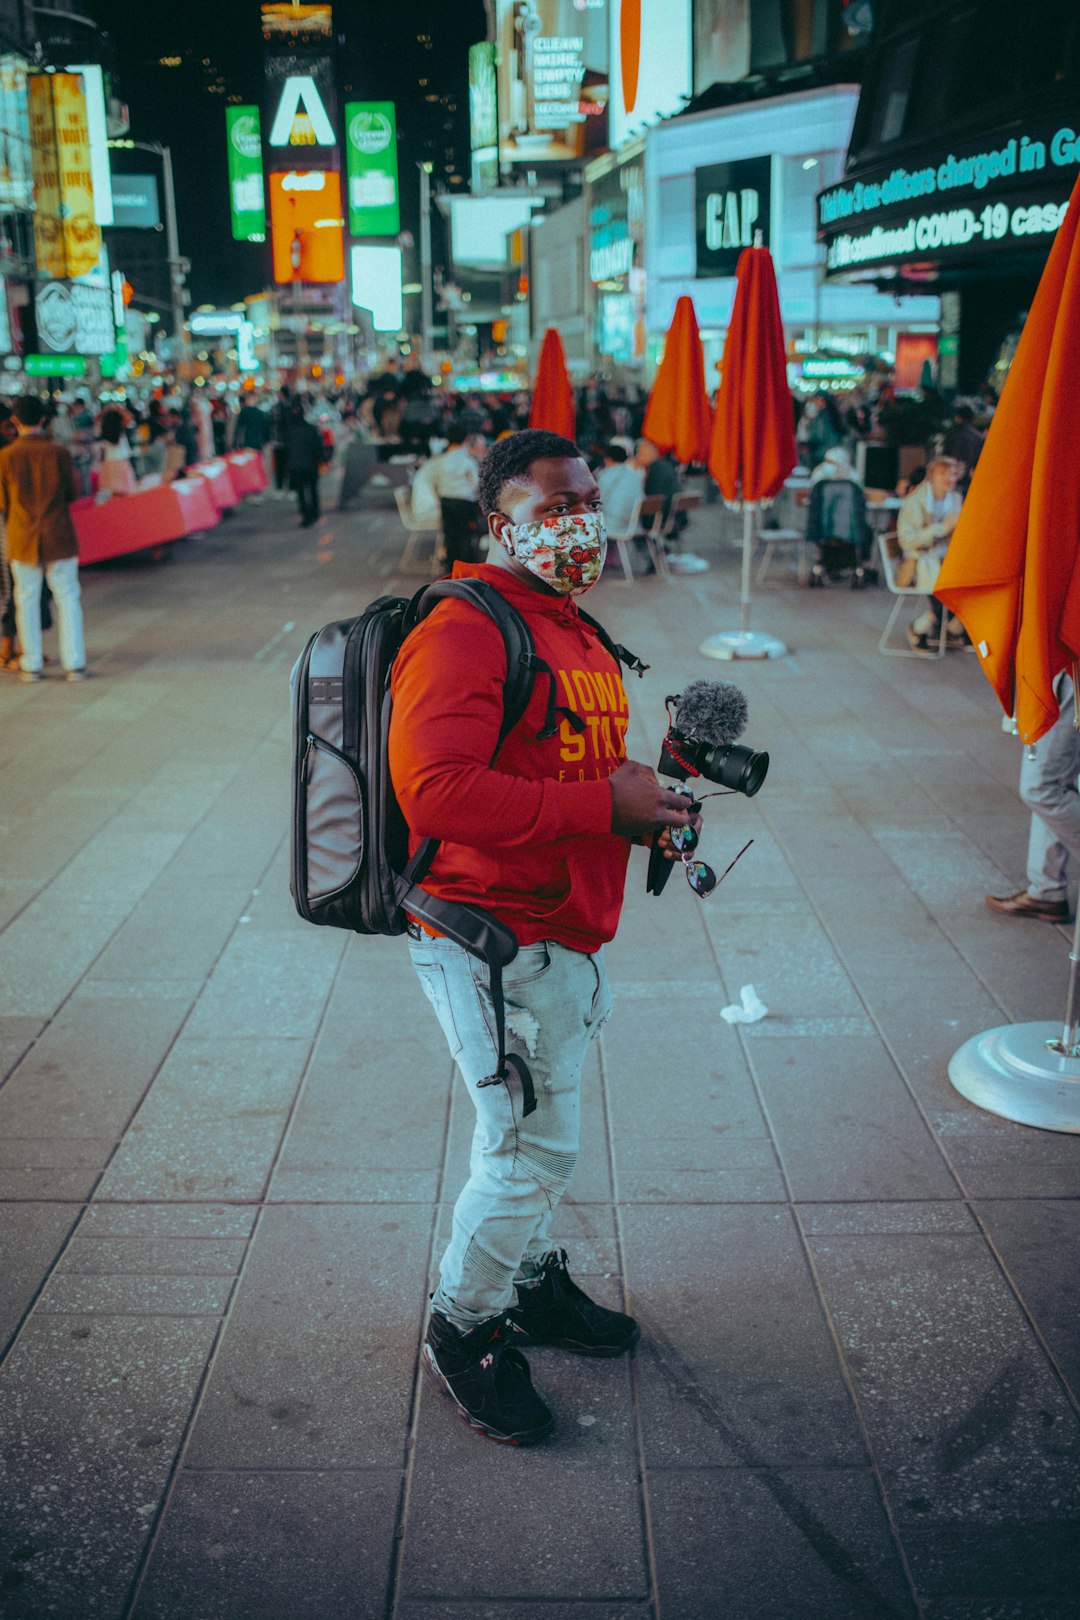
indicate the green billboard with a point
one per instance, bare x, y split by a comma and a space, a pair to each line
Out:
371, 152
246, 196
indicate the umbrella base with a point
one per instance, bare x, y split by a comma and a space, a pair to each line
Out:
743, 644
1011, 1072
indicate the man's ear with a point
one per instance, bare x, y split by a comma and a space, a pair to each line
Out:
498, 524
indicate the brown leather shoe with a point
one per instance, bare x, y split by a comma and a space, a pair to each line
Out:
1025, 905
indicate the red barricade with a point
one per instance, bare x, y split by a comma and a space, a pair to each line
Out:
248, 471
150, 517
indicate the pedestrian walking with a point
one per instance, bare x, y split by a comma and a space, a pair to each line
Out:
306, 453
538, 830
1048, 787
37, 485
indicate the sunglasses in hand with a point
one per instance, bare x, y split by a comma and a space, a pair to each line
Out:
699, 874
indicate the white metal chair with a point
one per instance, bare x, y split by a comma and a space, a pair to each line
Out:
889, 548
655, 528
771, 539
623, 540
416, 532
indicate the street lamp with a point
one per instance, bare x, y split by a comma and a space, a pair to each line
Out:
178, 267
425, 261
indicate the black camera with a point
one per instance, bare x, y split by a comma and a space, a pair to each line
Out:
684, 755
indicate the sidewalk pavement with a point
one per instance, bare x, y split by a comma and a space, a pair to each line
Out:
229, 1144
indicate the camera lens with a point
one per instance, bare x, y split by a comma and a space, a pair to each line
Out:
742, 769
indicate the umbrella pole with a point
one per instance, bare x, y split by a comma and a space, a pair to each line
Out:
1069, 1044
747, 552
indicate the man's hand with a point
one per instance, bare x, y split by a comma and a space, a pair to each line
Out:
640, 805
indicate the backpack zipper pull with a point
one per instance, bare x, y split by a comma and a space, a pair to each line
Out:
307, 756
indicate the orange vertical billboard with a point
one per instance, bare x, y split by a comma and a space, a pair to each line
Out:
307, 226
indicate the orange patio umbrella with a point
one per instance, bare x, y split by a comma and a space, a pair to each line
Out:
553, 397
1010, 573
677, 417
753, 438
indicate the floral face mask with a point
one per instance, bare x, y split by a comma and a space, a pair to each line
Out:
567, 553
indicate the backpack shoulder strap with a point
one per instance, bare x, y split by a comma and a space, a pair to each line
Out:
622, 655
521, 660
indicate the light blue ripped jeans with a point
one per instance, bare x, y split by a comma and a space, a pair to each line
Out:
556, 1001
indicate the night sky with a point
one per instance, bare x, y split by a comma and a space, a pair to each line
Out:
220, 44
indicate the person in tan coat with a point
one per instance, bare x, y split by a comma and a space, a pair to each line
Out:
38, 482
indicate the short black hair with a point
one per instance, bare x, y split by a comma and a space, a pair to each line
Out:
964, 413
615, 452
29, 410
508, 461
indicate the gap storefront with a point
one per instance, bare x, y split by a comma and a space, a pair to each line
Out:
712, 180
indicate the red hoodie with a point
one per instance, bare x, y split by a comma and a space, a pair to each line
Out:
528, 834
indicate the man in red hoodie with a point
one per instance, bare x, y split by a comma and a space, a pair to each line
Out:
538, 831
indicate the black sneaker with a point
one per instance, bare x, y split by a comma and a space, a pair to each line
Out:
556, 1311
488, 1381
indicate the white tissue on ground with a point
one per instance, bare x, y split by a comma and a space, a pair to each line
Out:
751, 1009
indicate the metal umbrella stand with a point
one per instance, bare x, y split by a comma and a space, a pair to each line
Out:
744, 642
1030, 1072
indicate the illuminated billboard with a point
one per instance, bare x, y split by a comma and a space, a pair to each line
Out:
16, 173
721, 42
247, 202
286, 24
480, 227
67, 237
552, 79
376, 285
306, 226
483, 117
651, 50
371, 161
93, 83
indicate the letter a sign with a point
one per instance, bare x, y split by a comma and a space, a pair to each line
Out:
301, 119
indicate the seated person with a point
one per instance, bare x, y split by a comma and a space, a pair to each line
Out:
621, 484
924, 524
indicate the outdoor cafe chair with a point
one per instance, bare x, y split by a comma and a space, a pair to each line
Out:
623, 540
889, 548
416, 532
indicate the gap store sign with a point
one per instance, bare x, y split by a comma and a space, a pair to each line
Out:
732, 202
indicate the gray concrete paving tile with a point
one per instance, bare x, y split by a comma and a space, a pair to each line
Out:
15, 893
92, 1415
978, 1445
146, 1221
96, 1256
34, 981
211, 1123
318, 1358
117, 866
71, 1183
266, 1546
88, 1071
693, 1130
1034, 1237
70, 1295
178, 930
772, 1544
269, 984
30, 1238
17, 1035
371, 1120
845, 1124
827, 1219
736, 1363
598, 1550
995, 1158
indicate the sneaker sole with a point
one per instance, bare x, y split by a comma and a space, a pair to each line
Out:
531, 1437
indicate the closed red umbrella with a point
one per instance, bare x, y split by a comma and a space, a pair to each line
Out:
553, 397
1010, 572
677, 417
753, 437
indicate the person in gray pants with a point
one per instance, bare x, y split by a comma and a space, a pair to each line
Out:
1048, 786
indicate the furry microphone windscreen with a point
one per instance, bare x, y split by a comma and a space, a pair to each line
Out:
713, 711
